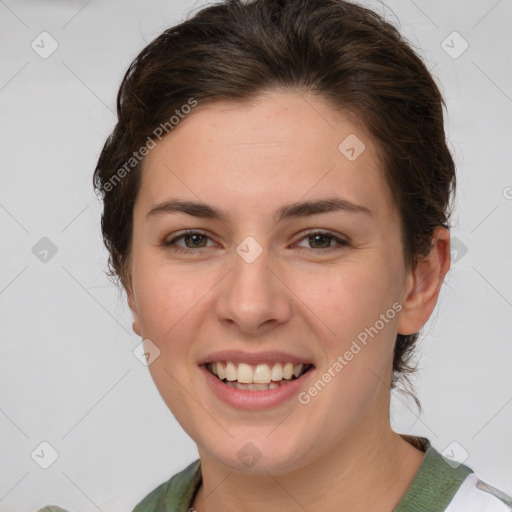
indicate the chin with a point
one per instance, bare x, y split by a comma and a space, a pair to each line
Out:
260, 454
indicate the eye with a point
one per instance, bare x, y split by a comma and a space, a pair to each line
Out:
322, 240
191, 239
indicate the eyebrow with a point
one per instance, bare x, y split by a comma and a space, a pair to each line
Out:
293, 210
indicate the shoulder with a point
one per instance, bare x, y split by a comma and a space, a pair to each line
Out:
175, 494
442, 484
474, 495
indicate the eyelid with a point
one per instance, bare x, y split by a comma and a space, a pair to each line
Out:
186, 232
340, 240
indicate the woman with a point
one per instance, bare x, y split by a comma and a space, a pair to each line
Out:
276, 206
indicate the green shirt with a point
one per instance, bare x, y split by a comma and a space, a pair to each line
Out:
440, 485
431, 490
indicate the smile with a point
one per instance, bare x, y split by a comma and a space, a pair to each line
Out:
259, 377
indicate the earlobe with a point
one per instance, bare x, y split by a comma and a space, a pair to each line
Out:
424, 284
131, 304
136, 328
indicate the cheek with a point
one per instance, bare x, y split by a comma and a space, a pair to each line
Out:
169, 303
167, 297
347, 299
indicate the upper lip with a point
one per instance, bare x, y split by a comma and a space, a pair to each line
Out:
238, 356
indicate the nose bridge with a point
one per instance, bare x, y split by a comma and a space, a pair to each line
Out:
252, 296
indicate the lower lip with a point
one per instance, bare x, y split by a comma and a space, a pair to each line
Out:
254, 400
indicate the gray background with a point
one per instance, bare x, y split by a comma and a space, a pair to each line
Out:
68, 373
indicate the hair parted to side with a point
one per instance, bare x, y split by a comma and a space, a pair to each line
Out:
346, 54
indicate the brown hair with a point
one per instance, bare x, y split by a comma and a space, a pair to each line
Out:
344, 53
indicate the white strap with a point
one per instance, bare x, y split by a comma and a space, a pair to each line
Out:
477, 496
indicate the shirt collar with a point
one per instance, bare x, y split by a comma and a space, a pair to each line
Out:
433, 487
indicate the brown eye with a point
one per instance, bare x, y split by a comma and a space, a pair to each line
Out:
195, 240
188, 241
322, 240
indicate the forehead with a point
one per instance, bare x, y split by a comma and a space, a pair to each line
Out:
279, 147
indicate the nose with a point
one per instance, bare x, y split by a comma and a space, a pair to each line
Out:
253, 297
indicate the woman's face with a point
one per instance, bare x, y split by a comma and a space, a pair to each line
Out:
275, 271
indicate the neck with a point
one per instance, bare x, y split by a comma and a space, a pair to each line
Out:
369, 471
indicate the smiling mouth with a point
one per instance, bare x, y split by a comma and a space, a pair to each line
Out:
260, 377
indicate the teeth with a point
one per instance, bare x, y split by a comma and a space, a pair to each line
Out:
258, 377
277, 372
244, 373
255, 387
261, 374
297, 369
230, 371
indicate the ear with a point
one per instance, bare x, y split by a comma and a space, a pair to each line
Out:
131, 303
424, 284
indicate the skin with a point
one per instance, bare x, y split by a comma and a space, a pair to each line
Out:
250, 159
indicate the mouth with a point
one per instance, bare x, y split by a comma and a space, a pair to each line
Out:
257, 377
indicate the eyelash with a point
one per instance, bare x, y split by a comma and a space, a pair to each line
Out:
341, 242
